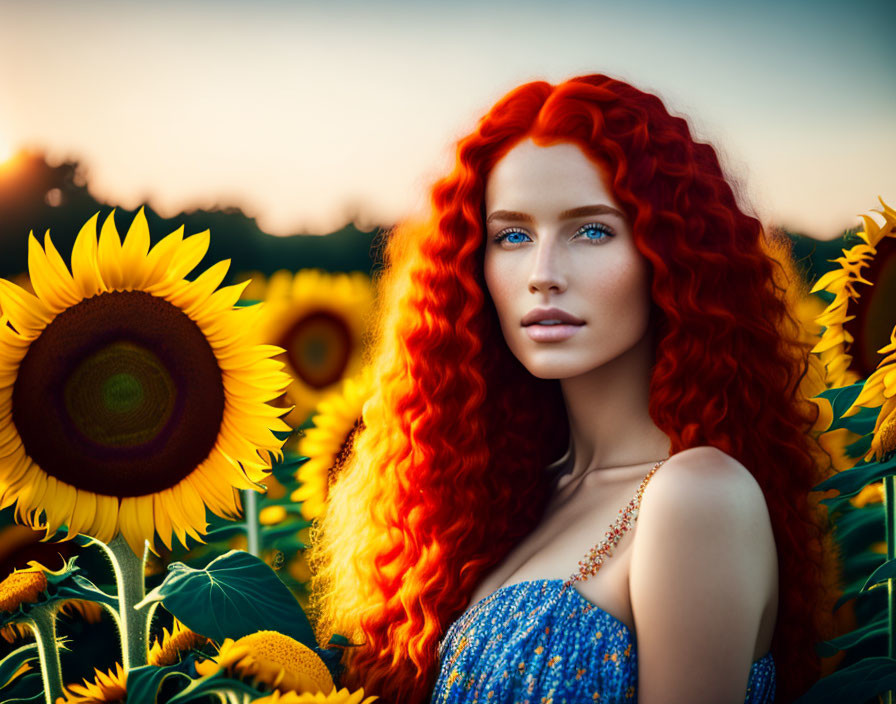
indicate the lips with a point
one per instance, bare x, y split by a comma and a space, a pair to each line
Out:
533, 316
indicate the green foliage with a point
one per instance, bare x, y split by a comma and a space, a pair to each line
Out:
861, 677
235, 595
859, 682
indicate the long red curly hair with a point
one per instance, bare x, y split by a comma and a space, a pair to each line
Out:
447, 473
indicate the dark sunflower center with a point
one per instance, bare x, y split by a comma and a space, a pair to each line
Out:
873, 320
121, 395
318, 346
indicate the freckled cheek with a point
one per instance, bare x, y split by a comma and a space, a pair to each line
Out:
504, 287
617, 292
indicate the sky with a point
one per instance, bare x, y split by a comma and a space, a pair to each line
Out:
308, 114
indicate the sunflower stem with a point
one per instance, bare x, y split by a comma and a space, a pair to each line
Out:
43, 622
250, 499
890, 518
129, 578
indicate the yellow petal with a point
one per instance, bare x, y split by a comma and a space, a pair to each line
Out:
160, 256
52, 290
109, 255
130, 525
134, 252
28, 314
72, 294
84, 512
85, 272
161, 502
190, 253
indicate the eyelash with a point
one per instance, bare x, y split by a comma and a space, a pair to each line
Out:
600, 227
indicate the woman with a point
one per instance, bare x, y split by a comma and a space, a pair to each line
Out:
449, 549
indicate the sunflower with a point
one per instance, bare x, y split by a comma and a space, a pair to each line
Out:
106, 687
167, 649
343, 696
23, 587
879, 391
271, 658
327, 445
866, 324
131, 399
320, 320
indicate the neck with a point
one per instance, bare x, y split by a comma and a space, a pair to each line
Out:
610, 426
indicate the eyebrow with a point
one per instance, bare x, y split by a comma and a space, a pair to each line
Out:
583, 211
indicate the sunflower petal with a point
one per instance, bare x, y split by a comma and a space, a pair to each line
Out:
130, 524
160, 256
190, 253
84, 512
54, 291
109, 255
161, 501
85, 271
106, 522
63, 275
134, 252
27, 313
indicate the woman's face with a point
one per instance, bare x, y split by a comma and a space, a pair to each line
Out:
557, 238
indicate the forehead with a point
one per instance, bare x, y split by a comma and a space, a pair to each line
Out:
558, 174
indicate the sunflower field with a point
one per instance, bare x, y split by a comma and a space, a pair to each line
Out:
167, 443
155, 467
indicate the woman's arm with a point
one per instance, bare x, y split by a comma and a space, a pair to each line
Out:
699, 579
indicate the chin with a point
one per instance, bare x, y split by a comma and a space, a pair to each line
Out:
555, 370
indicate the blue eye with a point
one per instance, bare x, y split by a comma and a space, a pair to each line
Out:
500, 237
598, 228
602, 232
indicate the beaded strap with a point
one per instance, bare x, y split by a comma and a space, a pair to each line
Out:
597, 554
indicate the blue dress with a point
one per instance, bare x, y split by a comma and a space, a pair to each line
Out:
542, 642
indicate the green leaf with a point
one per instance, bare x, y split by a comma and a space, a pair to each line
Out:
235, 595
859, 528
79, 587
854, 589
850, 482
883, 573
860, 447
28, 689
841, 398
859, 682
874, 629
862, 423
226, 532
145, 683
199, 690
12, 662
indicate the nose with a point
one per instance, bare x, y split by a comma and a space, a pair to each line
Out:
548, 270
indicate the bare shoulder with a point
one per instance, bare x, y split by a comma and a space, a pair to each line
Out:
701, 578
694, 476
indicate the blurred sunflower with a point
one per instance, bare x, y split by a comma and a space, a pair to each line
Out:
270, 658
167, 649
858, 323
855, 322
320, 320
870, 494
131, 398
328, 444
343, 696
106, 687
